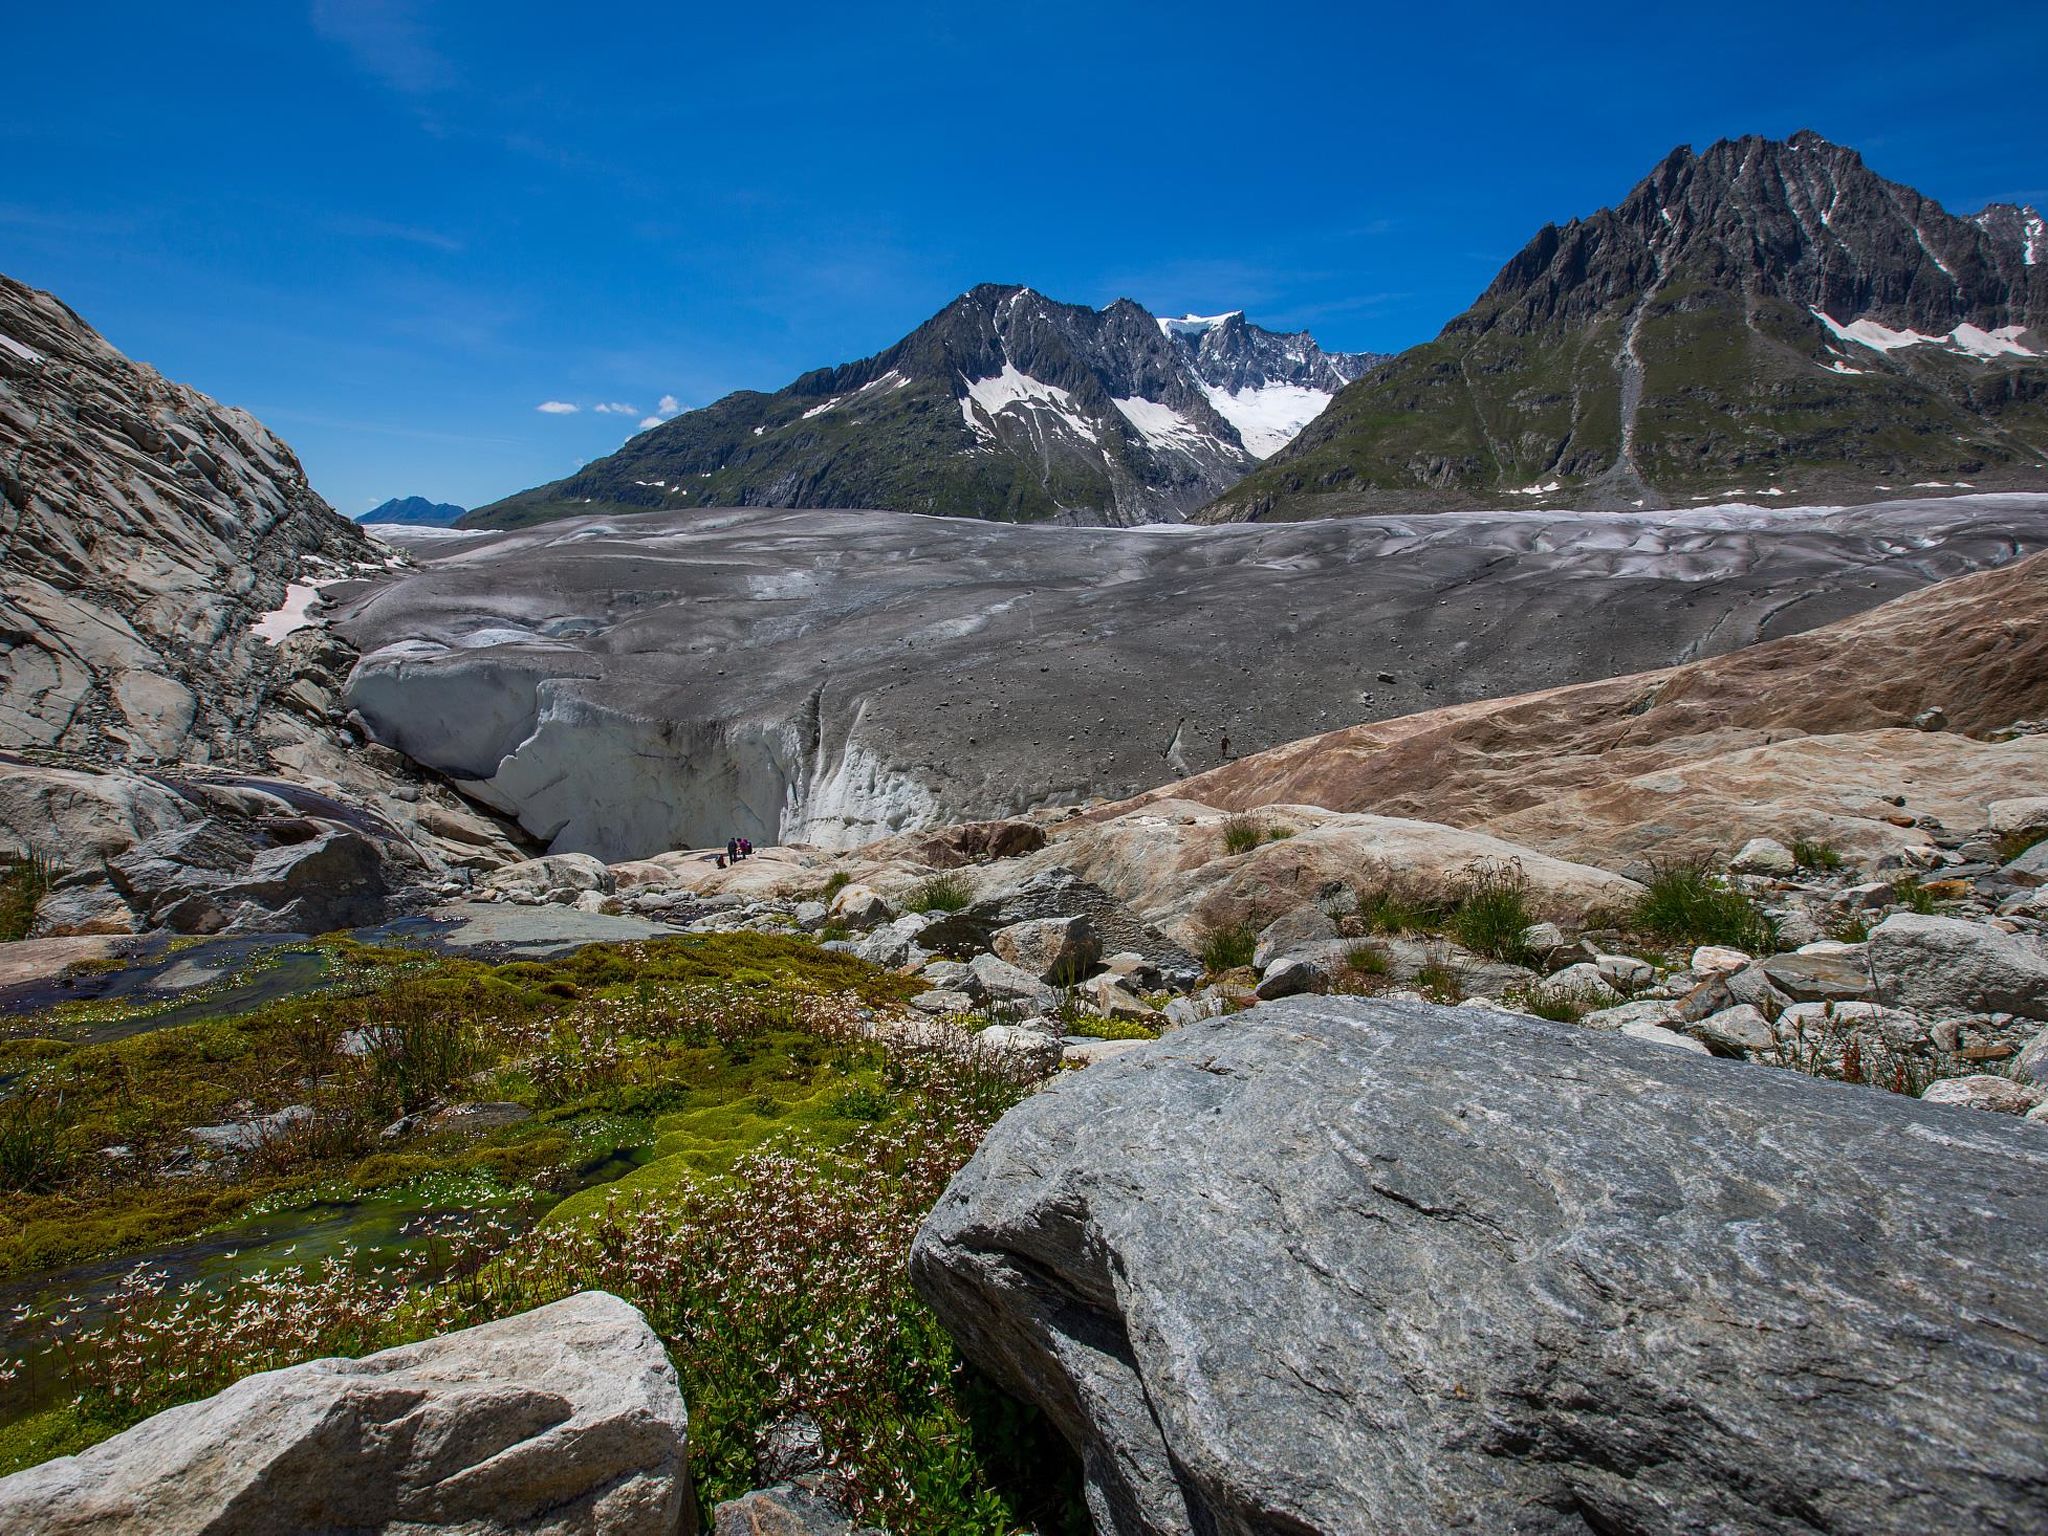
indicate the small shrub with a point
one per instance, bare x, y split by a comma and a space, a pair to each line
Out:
1241, 834
1848, 928
1279, 834
32, 1151
1227, 946
1389, 906
1809, 854
1493, 910
1691, 902
1559, 1007
1368, 960
835, 882
1913, 896
1436, 982
2013, 844
1099, 1027
941, 893
23, 883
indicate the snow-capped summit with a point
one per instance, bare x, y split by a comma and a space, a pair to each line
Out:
1006, 404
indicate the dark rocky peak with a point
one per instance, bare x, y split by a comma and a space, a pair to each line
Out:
1801, 220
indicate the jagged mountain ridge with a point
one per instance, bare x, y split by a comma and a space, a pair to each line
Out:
1005, 405
413, 512
1759, 316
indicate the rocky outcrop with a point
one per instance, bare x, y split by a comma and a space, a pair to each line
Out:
150, 533
1805, 737
206, 851
626, 686
566, 1421
1343, 1266
1758, 317
164, 558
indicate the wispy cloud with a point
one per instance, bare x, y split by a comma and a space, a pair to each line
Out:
557, 408
614, 408
669, 405
384, 229
386, 39
649, 421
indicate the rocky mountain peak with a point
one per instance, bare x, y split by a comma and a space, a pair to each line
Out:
1006, 404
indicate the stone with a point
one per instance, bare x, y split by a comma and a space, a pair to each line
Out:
2001, 1095
1030, 1052
1056, 891
784, 1510
1580, 983
947, 975
1624, 973
1209, 1003
811, 915
2030, 868
1737, 1031
1135, 971
1656, 1034
859, 906
1543, 939
1752, 985
1943, 965
252, 1135
1650, 1011
564, 875
1325, 1266
2031, 1065
1290, 974
1842, 976
1058, 950
1109, 997
2019, 814
1087, 1053
939, 1001
1717, 960
1290, 931
1764, 856
1003, 982
80, 908
886, 946
563, 1421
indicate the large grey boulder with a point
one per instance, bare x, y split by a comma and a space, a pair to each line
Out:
1943, 965
1060, 950
566, 1419
1060, 893
1349, 1266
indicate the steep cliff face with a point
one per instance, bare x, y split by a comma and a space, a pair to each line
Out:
162, 561
1767, 316
1005, 405
160, 553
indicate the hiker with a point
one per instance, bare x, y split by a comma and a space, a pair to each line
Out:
732, 850
746, 848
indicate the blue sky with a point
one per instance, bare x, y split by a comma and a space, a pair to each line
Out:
393, 228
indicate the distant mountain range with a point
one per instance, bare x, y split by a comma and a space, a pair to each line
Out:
414, 512
1004, 405
1761, 319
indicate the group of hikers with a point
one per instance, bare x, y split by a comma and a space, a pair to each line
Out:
736, 848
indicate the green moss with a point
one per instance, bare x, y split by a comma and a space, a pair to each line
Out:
62, 1431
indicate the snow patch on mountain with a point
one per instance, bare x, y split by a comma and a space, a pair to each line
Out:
1196, 325
1268, 416
1977, 342
1014, 389
1161, 425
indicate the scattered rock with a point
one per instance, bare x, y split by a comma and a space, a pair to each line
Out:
1656, 1034
783, 1510
1624, 973
1003, 982
1059, 950
565, 1421
1260, 1234
860, 906
249, 1135
2021, 814
1717, 960
1109, 997
1580, 983
1086, 1053
1736, 1031
2031, 1065
939, 1001
1840, 976
2030, 868
1031, 1052
1291, 931
1999, 1094
1764, 856
556, 878
1543, 939
1943, 965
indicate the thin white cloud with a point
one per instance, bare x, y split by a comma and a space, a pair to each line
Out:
614, 408
557, 408
669, 405
386, 39
649, 421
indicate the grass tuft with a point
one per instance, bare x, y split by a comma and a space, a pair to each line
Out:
1691, 902
941, 893
1810, 854
1493, 911
1241, 834
23, 883
1227, 946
